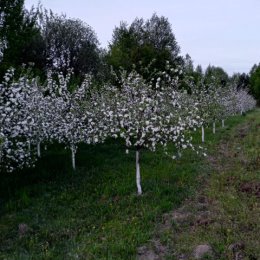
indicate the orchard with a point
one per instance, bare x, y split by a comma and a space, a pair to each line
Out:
145, 113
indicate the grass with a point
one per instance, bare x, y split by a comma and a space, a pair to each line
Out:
224, 213
94, 213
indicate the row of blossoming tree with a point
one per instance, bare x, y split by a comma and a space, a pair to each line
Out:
145, 113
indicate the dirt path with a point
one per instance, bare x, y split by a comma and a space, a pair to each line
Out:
223, 220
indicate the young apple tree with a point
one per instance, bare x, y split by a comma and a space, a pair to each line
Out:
79, 113
148, 114
14, 122
205, 97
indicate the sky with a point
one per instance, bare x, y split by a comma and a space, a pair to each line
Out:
221, 33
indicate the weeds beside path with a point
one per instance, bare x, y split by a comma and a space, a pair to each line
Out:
223, 219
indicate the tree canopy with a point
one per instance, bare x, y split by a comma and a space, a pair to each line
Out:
143, 42
70, 44
20, 37
255, 81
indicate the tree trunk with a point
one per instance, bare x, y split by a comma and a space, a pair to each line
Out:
202, 134
138, 175
39, 149
29, 146
214, 127
223, 123
73, 152
1, 149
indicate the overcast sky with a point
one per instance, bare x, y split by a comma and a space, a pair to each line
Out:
218, 32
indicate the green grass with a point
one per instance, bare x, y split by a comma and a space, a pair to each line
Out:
94, 213
225, 211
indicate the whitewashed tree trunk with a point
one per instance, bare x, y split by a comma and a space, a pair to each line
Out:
29, 146
223, 123
1, 147
39, 149
202, 134
73, 152
138, 175
214, 127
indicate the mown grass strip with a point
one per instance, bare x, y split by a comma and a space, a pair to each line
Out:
225, 212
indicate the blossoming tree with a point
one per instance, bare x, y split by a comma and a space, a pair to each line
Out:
147, 115
14, 121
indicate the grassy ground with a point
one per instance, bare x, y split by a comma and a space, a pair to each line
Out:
52, 213
225, 212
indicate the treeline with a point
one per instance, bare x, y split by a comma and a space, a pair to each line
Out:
41, 40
